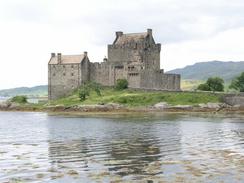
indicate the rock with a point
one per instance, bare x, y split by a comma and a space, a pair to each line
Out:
13, 105
5, 104
161, 105
184, 107
212, 105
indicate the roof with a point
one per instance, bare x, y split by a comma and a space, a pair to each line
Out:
68, 59
133, 37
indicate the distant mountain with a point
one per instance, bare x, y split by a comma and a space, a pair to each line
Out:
32, 91
204, 70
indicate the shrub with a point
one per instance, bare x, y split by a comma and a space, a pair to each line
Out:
19, 99
203, 87
85, 90
121, 84
83, 93
212, 84
238, 83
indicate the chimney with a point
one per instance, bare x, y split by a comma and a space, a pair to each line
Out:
149, 31
85, 53
59, 58
52, 55
119, 33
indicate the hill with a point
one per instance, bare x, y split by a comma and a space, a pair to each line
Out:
28, 91
204, 70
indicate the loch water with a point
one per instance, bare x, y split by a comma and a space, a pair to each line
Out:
39, 147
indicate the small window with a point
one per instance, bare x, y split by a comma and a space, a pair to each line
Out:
72, 74
64, 74
63, 66
54, 74
72, 66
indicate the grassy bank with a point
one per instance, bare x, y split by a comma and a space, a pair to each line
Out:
133, 98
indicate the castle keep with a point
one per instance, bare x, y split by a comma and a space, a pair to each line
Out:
135, 57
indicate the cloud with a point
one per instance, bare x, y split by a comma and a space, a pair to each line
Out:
189, 30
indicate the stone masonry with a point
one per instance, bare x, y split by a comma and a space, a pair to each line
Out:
135, 57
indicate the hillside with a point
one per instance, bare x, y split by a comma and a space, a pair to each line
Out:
28, 91
204, 70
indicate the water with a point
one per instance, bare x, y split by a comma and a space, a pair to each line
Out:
37, 147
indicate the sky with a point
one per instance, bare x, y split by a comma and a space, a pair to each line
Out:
190, 31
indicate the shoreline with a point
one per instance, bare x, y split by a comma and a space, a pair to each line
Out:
118, 109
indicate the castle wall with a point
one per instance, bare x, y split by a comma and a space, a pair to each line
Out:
99, 72
157, 80
151, 57
120, 54
63, 79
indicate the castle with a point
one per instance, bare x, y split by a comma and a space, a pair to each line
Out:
135, 57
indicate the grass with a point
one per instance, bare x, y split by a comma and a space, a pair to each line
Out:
132, 98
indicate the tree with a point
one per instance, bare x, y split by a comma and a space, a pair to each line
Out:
121, 84
212, 84
19, 99
238, 83
203, 87
215, 84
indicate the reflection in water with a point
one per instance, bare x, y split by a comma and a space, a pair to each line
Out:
169, 148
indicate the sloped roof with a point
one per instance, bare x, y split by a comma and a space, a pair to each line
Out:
133, 37
67, 59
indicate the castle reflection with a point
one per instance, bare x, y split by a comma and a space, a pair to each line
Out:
122, 147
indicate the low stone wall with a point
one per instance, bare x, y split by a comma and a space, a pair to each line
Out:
234, 99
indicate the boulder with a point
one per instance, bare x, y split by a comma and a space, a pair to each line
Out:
184, 107
161, 105
212, 105
5, 104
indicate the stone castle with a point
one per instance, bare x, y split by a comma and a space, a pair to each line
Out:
135, 57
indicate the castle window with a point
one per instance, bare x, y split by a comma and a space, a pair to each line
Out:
72, 66
64, 74
54, 74
63, 66
133, 74
72, 74
54, 66
119, 67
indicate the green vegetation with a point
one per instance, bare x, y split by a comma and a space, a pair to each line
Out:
121, 84
19, 99
212, 84
84, 91
133, 98
238, 83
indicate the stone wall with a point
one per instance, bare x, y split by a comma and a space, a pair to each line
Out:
99, 72
157, 80
234, 99
63, 79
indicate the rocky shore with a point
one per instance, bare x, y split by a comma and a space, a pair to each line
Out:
113, 107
